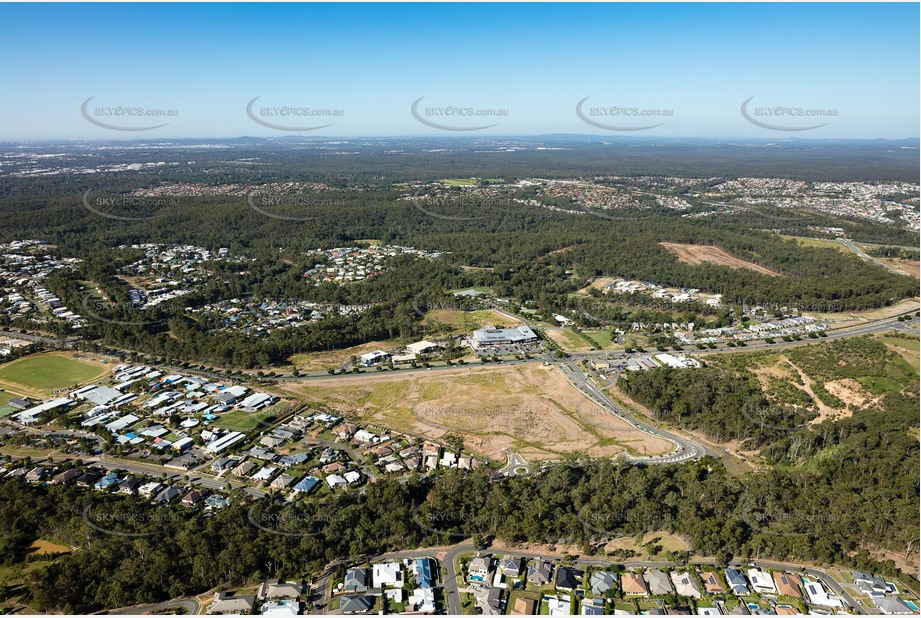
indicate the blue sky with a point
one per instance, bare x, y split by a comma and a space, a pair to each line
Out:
694, 63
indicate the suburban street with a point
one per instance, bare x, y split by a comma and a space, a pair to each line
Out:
452, 592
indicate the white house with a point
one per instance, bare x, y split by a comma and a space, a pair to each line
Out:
387, 575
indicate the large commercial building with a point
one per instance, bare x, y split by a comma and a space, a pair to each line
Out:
502, 336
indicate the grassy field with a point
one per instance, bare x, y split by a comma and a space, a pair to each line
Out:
601, 337
457, 322
241, 420
818, 242
909, 349
571, 341
39, 374
321, 361
42, 547
668, 542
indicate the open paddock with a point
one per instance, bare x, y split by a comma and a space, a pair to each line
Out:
530, 408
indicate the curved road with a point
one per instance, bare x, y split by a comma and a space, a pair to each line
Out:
685, 448
191, 607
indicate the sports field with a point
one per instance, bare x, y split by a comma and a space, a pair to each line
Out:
40, 374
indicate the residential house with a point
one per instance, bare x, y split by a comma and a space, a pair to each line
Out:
422, 569
168, 495
281, 481
685, 585
356, 580
787, 585
601, 582
344, 431
558, 606
89, 478
36, 474
712, 583
66, 476
387, 575
893, 605
279, 589
762, 582
355, 604
488, 601
658, 582
109, 480
422, 600
869, 584
819, 596
281, 609
540, 572
306, 484
151, 489
214, 502
633, 584
228, 603
567, 578
737, 583
592, 607
221, 464
194, 497
524, 607
510, 567
479, 568
130, 485
244, 469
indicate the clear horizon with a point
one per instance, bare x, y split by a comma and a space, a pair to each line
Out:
676, 71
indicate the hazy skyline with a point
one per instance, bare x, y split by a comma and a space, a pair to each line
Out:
682, 70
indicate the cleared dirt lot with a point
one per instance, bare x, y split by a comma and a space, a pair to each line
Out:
698, 254
529, 408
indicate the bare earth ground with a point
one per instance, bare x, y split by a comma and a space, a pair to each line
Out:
531, 409
697, 254
909, 267
598, 283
